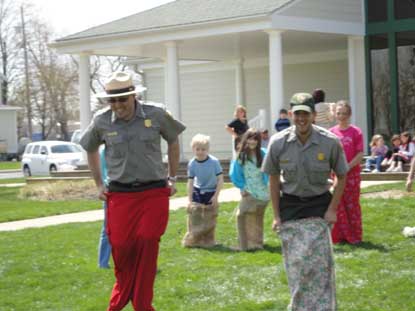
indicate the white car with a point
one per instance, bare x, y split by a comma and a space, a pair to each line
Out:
44, 157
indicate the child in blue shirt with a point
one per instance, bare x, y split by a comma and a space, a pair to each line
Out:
203, 188
245, 173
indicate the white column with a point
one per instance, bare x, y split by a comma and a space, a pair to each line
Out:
357, 83
239, 83
84, 91
172, 84
173, 81
276, 82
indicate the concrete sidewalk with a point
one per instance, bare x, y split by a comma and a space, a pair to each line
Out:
227, 195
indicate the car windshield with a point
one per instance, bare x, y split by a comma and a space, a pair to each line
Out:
64, 149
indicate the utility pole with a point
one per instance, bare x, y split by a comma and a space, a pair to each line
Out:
27, 89
3, 80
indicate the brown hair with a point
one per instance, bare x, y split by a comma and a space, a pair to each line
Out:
319, 96
345, 104
395, 137
406, 145
243, 154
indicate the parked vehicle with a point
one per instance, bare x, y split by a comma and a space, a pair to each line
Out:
76, 136
44, 157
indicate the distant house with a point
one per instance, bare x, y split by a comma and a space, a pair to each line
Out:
202, 57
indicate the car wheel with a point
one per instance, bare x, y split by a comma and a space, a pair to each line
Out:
53, 168
26, 171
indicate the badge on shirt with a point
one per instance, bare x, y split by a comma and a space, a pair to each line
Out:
112, 134
320, 156
147, 122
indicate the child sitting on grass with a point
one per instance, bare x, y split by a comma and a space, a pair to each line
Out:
378, 151
203, 188
245, 173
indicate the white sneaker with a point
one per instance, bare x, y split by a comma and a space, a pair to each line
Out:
375, 171
390, 169
366, 170
398, 169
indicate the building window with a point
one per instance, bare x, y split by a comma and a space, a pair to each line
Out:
404, 9
381, 85
405, 46
377, 10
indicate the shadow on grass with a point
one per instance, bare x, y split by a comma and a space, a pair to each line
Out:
344, 247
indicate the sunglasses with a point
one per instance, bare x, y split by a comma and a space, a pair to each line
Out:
122, 99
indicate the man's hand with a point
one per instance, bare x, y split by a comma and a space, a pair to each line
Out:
172, 186
101, 193
330, 215
276, 224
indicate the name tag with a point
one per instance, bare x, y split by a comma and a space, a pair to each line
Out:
111, 134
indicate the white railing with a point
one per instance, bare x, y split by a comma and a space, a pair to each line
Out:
259, 121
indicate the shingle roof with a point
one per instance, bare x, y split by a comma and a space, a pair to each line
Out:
182, 12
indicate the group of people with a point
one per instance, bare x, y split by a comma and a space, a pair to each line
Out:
392, 159
293, 173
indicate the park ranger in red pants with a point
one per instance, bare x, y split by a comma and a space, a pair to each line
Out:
138, 191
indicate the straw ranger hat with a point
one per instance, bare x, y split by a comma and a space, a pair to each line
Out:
120, 84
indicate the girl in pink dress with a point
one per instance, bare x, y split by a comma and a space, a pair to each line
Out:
348, 227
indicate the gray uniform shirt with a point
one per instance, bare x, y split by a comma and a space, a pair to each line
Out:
305, 169
132, 148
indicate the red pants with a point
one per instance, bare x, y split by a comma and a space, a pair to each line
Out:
348, 227
135, 223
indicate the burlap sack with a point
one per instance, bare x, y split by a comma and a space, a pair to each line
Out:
250, 223
201, 223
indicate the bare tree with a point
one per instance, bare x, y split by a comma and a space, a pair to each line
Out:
9, 50
56, 78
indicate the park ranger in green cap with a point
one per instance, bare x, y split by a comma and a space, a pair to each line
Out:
299, 161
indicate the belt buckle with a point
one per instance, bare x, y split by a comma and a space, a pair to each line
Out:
135, 184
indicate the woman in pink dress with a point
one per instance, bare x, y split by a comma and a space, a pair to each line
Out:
348, 227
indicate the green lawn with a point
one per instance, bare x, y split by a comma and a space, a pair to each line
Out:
384, 187
13, 208
55, 268
12, 181
9, 165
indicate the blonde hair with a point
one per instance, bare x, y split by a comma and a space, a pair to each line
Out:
237, 108
200, 140
375, 139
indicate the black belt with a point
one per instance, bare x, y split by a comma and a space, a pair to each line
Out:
115, 186
304, 199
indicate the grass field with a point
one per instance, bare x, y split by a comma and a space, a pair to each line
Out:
55, 268
14, 207
9, 165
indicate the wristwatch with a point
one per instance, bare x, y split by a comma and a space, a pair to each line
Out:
172, 178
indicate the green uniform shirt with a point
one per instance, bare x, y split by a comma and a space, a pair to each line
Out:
305, 169
132, 148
